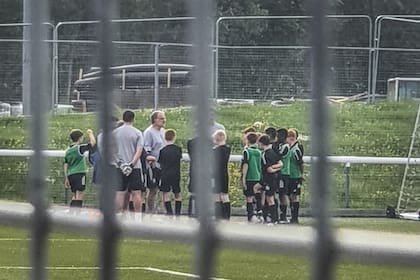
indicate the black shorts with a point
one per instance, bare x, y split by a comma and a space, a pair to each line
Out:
152, 177
283, 185
250, 188
270, 189
77, 182
220, 187
294, 186
133, 182
170, 184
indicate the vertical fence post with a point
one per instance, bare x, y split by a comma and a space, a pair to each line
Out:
55, 61
26, 58
54, 93
347, 184
323, 255
123, 79
38, 101
156, 95
216, 58
206, 235
109, 231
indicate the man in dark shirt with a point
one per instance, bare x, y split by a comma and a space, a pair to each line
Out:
170, 164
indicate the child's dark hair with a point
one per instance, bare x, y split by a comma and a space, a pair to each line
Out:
271, 132
282, 135
252, 138
75, 135
264, 139
170, 134
128, 116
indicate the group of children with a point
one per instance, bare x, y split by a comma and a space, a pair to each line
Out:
271, 173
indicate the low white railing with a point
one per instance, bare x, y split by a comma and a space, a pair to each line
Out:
237, 158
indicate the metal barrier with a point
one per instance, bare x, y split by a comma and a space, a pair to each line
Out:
135, 44
377, 47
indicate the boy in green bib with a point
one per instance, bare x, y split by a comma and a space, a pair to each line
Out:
75, 165
251, 174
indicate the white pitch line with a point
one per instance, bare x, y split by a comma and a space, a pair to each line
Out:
152, 269
171, 272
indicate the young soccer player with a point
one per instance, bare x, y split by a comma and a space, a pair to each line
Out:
221, 175
75, 165
245, 132
271, 133
283, 150
271, 166
295, 177
300, 147
251, 174
170, 164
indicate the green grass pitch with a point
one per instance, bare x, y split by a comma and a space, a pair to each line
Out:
73, 256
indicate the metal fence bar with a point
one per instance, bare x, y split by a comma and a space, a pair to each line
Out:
156, 99
237, 158
323, 256
206, 235
38, 67
109, 230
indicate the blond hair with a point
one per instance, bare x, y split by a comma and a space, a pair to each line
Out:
219, 135
291, 132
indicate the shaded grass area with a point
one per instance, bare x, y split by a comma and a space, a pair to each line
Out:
70, 250
383, 129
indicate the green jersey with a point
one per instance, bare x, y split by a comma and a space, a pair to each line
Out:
252, 157
75, 159
296, 161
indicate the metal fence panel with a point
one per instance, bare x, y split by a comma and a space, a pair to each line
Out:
397, 52
257, 66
